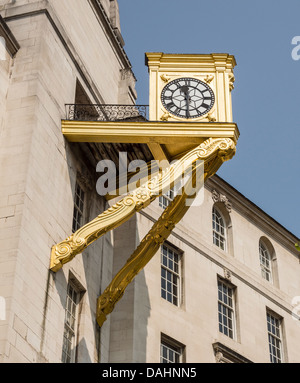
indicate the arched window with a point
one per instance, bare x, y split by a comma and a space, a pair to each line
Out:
266, 261
219, 229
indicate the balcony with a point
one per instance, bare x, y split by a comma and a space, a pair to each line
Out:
106, 112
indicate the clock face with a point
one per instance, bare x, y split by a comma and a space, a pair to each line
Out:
187, 97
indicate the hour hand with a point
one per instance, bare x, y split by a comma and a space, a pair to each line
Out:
185, 89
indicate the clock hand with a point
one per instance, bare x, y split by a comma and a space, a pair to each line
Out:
185, 90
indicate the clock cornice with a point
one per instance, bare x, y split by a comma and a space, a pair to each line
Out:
170, 61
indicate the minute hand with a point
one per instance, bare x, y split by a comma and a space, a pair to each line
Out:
185, 90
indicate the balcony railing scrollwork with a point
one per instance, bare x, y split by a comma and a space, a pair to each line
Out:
106, 112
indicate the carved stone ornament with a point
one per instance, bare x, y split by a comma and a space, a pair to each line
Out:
227, 274
218, 197
126, 73
219, 357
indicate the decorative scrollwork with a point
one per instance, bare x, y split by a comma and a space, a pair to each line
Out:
215, 151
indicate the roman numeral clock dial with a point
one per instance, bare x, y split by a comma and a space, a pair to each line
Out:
187, 98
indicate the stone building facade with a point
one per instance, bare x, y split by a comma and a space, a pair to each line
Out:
227, 270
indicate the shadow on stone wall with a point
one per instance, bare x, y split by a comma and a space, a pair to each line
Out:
128, 321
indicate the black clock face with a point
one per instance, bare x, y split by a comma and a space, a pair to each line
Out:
187, 97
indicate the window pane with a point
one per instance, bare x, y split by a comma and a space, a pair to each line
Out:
225, 309
274, 338
70, 325
170, 279
265, 262
166, 199
218, 224
170, 353
78, 208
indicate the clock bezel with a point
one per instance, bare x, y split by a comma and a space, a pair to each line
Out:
199, 114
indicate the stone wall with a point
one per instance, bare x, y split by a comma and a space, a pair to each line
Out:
59, 45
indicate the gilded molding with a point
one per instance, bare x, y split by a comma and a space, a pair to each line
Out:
166, 133
213, 152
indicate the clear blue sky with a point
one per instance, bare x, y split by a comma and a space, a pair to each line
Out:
266, 98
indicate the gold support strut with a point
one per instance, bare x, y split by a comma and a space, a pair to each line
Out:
214, 153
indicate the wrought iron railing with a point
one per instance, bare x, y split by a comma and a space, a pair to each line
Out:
106, 112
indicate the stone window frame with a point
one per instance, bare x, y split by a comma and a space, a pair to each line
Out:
70, 324
224, 207
174, 272
11, 44
275, 336
265, 262
219, 237
232, 308
171, 347
79, 290
273, 265
79, 206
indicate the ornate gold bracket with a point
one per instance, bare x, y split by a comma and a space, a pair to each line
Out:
66, 250
213, 152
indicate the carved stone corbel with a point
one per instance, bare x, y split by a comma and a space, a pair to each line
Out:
219, 357
227, 274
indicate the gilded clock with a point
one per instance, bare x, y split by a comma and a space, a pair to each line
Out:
187, 97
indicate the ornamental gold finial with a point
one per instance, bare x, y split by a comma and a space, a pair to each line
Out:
231, 81
211, 117
165, 78
165, 116
208, 79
